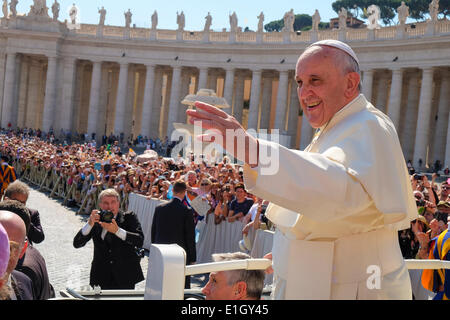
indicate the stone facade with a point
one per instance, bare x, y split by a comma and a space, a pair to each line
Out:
110, 79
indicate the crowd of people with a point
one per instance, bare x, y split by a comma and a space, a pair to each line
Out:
91, 170
432, 200
66, 137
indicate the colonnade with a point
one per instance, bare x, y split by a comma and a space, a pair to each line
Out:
104, 97
417, 101
121, 97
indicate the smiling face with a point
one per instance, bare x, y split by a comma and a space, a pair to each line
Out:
323, 87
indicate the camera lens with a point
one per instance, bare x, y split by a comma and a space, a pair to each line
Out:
106, 216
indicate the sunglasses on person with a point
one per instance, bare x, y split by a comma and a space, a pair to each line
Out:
204, 184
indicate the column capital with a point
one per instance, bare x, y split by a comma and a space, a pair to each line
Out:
10, 51
177, 67
69, 59
368, 70
398, 70
427, 69
256, 70
96, 61
229, 68
150, 65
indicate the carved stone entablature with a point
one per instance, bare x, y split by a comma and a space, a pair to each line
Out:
37, 23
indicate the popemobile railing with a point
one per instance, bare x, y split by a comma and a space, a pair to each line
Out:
70, 188
165, 280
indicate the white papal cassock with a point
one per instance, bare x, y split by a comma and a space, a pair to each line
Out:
337, 207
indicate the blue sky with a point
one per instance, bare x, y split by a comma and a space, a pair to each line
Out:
195, 11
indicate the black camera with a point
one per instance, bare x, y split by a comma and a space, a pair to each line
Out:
106, 216
418, 177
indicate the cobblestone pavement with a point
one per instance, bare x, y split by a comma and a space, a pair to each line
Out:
67, 266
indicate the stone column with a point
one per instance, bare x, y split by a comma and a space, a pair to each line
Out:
19, 80
254, 100
395, 97
423, 121
94, 100
68, 93
8, 94
306, 134
50, 95
23, 92
157, 104
121, 100
447, 148
34, 95
294, 106
367, 84
104, 101
129, 123
381, 92
239, 97
409, 121
266, 102
184, 91
2, 80
212, 82
174, 100
148, 101
228, 90
280, 114
442, 121
202, 78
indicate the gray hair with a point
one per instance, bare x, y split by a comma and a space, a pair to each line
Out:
253, 278
17, 187
108, 193
347, 64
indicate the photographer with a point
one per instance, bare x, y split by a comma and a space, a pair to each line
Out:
116, 236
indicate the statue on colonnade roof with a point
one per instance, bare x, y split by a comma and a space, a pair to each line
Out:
208, 22
315, 20
128, 16
403, 13
102, 12
55, 10
154, 20
13, 7
434, 10
181, 21
260, 22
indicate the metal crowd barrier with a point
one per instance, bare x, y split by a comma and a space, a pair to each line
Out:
61, 186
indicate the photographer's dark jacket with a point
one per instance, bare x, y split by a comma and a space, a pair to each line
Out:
116, 264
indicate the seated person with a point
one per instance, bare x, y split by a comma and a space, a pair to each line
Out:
234, 284
240, 206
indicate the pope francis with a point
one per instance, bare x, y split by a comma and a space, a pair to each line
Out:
338, 204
